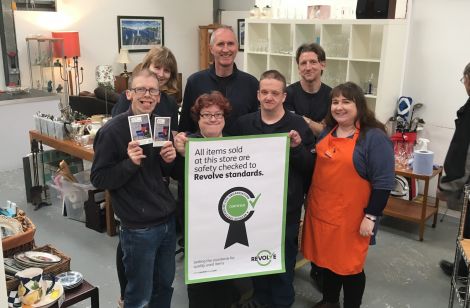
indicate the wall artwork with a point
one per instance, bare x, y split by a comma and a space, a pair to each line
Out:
241, 34
138, 33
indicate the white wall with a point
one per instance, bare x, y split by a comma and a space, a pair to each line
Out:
96, 22
17, 120
438, 51
229, 18
240, 5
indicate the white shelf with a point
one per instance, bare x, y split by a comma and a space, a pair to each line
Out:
282, 64
289, 55
356, 50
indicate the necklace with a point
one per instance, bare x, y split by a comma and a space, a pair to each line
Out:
342, 133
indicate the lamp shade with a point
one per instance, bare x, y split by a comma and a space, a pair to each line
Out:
71, 46
123, 57
104, 74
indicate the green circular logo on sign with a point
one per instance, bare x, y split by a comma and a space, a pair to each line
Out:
264, 257
237, 205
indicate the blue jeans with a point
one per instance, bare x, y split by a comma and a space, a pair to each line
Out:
277, 290
149, 262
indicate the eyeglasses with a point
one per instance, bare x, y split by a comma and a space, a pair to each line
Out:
273, 93
208, 116
142, 91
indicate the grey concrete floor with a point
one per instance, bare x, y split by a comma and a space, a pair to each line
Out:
401, 271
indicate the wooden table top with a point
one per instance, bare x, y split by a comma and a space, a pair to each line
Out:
409, 173
66, 146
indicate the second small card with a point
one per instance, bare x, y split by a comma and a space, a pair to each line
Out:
161, 131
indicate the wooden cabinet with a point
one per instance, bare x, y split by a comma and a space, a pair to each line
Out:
121, 83
205, 56
415, 211
356, 50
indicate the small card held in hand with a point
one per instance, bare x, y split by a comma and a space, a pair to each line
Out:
139, 126
161, 131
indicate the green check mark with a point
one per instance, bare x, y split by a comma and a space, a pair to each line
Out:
254, 201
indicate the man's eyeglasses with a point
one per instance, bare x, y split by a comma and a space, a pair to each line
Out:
208, 116
142, 90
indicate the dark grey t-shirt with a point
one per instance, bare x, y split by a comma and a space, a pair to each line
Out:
313, 106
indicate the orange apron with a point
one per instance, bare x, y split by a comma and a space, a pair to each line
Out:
335, 209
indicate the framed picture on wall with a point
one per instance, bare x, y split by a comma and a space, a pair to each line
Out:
139, 33
241, 34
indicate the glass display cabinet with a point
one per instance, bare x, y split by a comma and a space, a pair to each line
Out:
46, 63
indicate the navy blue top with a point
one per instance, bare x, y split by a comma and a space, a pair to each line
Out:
239, 88
374, 161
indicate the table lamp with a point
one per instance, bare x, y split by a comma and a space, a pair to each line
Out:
70, 49
123, 58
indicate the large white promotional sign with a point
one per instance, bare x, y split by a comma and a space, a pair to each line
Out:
236, 191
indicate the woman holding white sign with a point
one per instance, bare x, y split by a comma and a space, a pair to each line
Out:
353, 176
210, 112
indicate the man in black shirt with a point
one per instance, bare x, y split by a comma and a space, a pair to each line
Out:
223, 76
277, 290
457, 169
309, 97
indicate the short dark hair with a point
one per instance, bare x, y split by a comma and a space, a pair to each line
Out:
312, 47
365, 116
274, 74
208, 99
466, 71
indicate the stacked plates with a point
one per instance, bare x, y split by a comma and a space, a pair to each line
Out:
11, 268
35, 259
70, 280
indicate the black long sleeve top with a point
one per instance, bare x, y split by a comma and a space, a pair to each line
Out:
139, 196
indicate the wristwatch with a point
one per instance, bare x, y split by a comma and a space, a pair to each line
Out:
371, 217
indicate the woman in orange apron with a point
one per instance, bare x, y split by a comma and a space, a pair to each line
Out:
353, 176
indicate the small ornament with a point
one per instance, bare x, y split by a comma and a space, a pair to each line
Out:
255, 12
59, 88
49, 86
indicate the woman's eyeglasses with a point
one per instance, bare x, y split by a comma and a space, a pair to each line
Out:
208, 116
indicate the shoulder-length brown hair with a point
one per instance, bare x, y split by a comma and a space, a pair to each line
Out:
365, 116
163, 57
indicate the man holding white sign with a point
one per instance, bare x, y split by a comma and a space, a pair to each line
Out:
277, 290
133, 174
